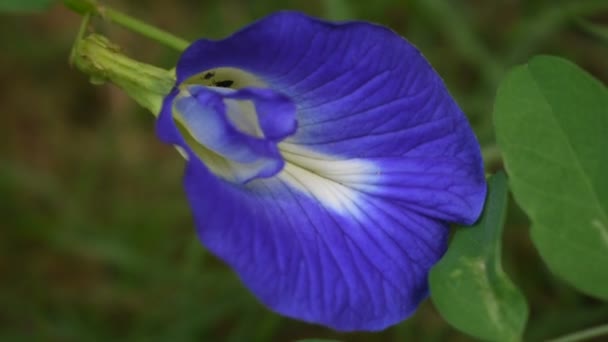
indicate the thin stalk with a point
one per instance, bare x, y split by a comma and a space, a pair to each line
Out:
84, 24
144, 29
598, 31
583, 334
92, 7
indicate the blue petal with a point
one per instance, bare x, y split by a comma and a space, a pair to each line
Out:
362, 269
361, 92
381, 161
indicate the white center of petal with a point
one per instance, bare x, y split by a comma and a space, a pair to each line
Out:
324, 177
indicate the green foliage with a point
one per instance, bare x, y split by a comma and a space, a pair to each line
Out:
598, 31
338, 9
81, 6
551, 123
469, 286
25, 6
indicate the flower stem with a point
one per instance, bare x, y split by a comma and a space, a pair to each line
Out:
584, 334
97, 57
90, 6
144, 29
81, 32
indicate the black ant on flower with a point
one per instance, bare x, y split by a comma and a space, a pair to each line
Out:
224, 84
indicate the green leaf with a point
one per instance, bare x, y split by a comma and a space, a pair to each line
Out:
551, 123
25, 6
468, 285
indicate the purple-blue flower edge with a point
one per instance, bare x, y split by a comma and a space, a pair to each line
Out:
337, 208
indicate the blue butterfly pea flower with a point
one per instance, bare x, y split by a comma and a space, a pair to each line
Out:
325, 162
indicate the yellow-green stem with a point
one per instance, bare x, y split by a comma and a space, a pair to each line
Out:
84, 7
102, 61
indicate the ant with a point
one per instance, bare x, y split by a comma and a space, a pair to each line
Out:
223, 84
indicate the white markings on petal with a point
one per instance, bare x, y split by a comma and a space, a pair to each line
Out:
331, 194
325, 178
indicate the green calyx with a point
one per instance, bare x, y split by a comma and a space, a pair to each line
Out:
97, 57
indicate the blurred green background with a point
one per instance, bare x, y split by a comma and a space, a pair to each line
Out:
96, 238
